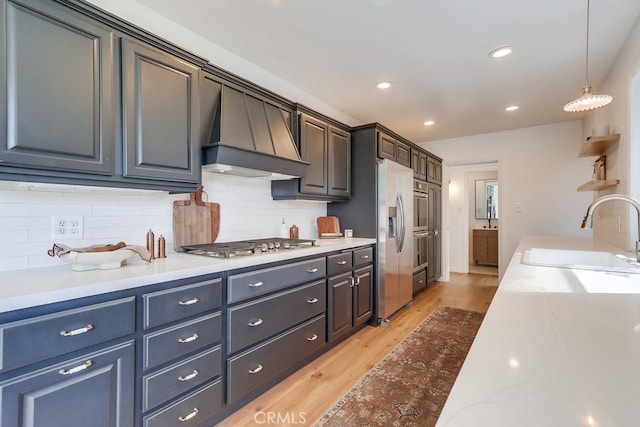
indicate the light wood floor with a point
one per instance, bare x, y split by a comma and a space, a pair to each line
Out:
303, 397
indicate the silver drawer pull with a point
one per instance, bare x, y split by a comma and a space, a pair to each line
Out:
189, 301
364, 256
312, 338
188, 339
312, 270
188, 377
255, 371
256, 323
77, 331
188, 417
312, 300
255, 285
79, 368
342, 262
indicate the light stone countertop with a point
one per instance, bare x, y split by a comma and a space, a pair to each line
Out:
558, 347
27, 288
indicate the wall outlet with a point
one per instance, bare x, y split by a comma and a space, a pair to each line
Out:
517, 207
68, 227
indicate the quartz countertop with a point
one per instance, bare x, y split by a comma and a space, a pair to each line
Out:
558, 347
27, 288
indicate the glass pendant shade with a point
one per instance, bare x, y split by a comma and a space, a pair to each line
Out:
587, 101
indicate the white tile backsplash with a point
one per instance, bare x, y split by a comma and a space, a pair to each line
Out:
113, 215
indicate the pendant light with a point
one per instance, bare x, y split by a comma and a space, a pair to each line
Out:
587, 101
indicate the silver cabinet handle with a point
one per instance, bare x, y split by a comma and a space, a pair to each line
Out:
79, 368
188, 377
188, 339
357, 280
255, 285
258, 369
352, 282
189, 301
312, 300
312, 270
256, 323
364, 256
342, 262
188, 417
77, 331
312, 338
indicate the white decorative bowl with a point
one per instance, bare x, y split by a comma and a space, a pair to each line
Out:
83, 261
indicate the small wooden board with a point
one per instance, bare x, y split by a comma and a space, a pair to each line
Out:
195, 222
328, 225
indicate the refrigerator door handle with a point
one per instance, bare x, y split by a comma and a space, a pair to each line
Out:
401, 215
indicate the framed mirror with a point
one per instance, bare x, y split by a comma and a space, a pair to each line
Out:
486, 199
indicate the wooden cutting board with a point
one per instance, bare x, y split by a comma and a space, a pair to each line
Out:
195, 222
328, 226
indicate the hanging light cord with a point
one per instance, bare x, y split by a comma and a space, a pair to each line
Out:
587, 56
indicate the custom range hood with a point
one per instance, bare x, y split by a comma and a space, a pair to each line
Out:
249, 137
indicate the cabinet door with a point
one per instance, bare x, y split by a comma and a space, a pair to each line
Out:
95, 390
339, 151
434, 170
479, 246
56, 76
403, 154
492, 246
386, 147
363, 295
340, 305
313, 149
161, 115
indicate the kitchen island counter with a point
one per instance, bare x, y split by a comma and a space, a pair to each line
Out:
28, 288
558, 347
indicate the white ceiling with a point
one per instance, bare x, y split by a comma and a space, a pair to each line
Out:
435, 52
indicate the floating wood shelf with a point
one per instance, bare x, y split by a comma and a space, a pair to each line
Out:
598, 185
596, 145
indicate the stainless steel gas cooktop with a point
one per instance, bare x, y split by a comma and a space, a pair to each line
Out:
247, 247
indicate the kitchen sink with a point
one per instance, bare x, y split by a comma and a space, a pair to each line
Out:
580, 259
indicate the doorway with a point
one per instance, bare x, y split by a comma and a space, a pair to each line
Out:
470, 214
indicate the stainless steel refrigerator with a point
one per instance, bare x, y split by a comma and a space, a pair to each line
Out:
395, 234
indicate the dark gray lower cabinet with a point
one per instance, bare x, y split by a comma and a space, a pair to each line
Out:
94, 389
350, 294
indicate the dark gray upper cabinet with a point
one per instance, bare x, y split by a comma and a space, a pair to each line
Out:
82, 102
339, 153
314, 136
419, 164
434, 170
326, 145
56, 89
161, 126
393, 149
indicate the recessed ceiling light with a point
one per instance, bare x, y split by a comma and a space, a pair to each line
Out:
429, 123
500, 52
511, 108
384, 85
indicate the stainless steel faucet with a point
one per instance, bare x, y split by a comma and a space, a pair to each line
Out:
587, 222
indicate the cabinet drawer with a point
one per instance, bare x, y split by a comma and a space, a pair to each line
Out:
179, 303
254, 283
193, 410
94, 386
167, 344
362, 256
248, 371
177, 379
419, 281
252, 322
31, 340
339, 263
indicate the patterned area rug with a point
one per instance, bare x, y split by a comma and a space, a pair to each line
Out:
410, 385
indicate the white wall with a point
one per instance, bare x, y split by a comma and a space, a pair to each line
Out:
622, 116
538, 168
113, 215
